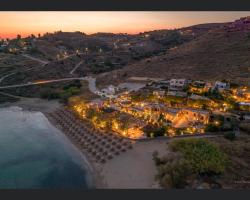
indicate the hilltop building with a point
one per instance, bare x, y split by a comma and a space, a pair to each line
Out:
221, 85
177, 84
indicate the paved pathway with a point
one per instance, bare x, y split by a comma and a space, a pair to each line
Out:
77, 65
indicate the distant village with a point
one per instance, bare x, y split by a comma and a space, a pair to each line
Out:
167, 108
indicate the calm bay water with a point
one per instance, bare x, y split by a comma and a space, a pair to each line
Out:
34, 154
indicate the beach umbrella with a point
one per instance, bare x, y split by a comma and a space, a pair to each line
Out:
82, 142
125, 143
94, 152
98, 157
89, 149
109, 156
100, 149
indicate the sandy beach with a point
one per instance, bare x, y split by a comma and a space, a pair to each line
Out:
134, 169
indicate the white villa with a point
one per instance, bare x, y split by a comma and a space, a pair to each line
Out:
177, 84
221, 86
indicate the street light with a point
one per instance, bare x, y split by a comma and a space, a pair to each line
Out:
86, 50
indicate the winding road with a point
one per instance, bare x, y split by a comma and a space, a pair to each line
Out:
91, 82
3, 77
43, 62
40, 82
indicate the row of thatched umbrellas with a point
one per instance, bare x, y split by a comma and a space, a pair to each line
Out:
101, 146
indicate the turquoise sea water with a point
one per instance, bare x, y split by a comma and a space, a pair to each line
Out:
34, 154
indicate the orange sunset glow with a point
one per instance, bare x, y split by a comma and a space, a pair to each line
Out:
26, 23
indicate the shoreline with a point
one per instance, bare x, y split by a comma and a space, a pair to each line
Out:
45, 106
93, 167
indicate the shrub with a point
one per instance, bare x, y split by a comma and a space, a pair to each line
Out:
75, 83
245, 127
211, 128
229, 135
49, 94
203, 156
172, 170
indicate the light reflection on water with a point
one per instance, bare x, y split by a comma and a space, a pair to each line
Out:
34, 154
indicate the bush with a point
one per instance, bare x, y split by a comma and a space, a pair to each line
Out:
245, 127
49, 94
203, 156
230, 136
173, 174
153, 131
172, 170
211, 128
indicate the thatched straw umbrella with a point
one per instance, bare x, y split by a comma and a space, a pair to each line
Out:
109, 156
125, 143
98, 157
96, 146
94, 136
89, 149
120, 139
100, 148
94, 152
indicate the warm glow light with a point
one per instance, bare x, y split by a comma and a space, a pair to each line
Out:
25, 23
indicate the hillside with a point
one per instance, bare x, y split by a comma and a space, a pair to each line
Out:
220, 52
212, 51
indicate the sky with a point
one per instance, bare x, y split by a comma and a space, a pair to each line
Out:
131, 22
